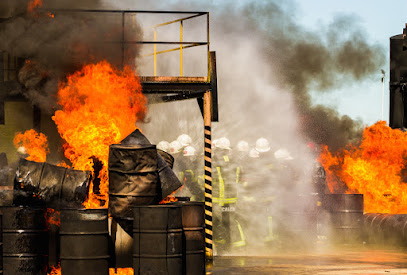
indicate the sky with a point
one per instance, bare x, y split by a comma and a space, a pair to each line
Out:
380, 20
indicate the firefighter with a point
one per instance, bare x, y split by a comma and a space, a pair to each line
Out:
176, 150
265, 189
190, 172
228, 232
164, 146
185, 140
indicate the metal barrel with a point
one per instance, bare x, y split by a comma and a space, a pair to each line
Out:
157, 235
193, 221
346, 217
25, 240
133, 180
1, 243
388, 229
84, 239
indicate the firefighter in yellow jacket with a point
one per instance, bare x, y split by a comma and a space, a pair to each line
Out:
228, 232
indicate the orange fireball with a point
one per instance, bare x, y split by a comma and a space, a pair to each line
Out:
33, 143
377, 168
100, 107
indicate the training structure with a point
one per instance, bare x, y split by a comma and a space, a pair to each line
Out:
157, 88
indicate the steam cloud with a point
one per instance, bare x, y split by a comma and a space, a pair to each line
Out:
267, 66
290, 57
61, 44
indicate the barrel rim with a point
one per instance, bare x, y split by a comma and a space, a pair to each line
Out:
198, 203
84, 209
83, 233
101, 257
157, 256
132, 146
164, 206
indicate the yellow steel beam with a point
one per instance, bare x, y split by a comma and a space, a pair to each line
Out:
180, 47
155, 53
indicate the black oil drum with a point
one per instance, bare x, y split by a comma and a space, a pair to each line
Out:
386, 229
84, 241
25, 240
157, 235
193, 222
1, 243
346, 218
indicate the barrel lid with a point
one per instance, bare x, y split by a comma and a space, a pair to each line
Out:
168, 205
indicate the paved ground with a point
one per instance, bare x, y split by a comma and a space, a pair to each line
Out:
361, 260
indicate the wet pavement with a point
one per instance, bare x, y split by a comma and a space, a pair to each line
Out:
343, 261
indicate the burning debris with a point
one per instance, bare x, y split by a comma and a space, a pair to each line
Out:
375, 168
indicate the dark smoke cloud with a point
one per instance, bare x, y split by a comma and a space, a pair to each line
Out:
321, 61
61, 44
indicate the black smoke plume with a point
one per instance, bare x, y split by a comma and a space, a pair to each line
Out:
57, 43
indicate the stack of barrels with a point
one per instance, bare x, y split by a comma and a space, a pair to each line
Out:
169, 239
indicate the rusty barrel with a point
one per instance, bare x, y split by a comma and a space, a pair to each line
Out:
25, 240
84, 239
193, 221
157, 235
346, 217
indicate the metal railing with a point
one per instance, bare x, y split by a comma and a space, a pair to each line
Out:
182, 44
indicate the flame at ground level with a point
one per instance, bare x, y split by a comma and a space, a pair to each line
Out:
376, 168
112, 271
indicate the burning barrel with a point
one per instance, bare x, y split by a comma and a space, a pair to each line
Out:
157, 235
25, 240
193, 222
84, 241
346, 217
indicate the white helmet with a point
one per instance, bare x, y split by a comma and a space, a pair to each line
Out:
262, 145
164, 146
223, 143
189, 151
243, 146
185, 140
175, 147
283, 154
214, 142
254, 153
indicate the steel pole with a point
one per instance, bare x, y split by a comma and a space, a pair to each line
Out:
208, 176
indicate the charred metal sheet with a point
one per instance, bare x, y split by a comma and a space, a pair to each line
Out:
43, 184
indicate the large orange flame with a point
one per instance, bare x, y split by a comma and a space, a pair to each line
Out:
377, 168
100, 106
35, 144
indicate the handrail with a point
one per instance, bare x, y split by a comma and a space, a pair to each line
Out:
182, 44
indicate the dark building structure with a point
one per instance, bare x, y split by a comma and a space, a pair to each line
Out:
398, 81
